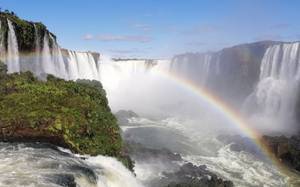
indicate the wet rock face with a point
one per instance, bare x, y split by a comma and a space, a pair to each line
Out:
190, 175
287, 150
177, 172
123, 116
236, 73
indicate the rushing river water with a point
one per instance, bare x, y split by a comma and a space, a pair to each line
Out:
43, 165
237, 160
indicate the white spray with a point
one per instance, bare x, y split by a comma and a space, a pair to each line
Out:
13, 64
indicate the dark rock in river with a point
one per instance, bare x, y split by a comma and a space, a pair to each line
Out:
124, 115
287, 150
190, 175
177, 172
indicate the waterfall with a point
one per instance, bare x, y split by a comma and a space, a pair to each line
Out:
72, 65
276, 93
86, 66
13, 64
205, 68
197, 67
37, 64
82, 65
46, 63
69, 66
57, 60
2, 44
52, 58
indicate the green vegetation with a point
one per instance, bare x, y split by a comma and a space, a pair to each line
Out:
25, 31
75, 115
71, 114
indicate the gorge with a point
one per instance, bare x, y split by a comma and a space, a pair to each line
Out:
176, 134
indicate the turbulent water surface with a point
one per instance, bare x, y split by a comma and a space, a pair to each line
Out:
46, 165
244, 165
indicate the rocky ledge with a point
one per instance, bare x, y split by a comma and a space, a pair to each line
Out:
286, 149
70, 114
177, 172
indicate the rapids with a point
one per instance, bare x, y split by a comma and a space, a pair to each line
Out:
24, 164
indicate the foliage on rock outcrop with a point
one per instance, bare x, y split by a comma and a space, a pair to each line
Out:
66, 113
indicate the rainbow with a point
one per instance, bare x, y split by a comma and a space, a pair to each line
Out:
230, 114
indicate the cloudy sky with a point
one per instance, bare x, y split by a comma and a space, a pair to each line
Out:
161, 28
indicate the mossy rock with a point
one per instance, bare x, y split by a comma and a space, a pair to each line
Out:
71, 114
25, 32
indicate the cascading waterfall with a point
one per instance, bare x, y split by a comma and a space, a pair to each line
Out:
82, 65
2, 44
278, 86
57, 60
47, 64
37, 65
73, 65
13, 64
52, 59
48, 58
197, 67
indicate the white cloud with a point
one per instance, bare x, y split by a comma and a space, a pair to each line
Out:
122, 51
88, 37
118, 38
143, 27
280, 26
201, 29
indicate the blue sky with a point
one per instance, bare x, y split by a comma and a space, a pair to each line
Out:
161, 28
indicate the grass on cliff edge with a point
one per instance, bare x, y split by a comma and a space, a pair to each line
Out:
77, 112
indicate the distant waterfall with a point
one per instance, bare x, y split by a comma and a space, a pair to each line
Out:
197, 67
275, 95
82, 65
13, 64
